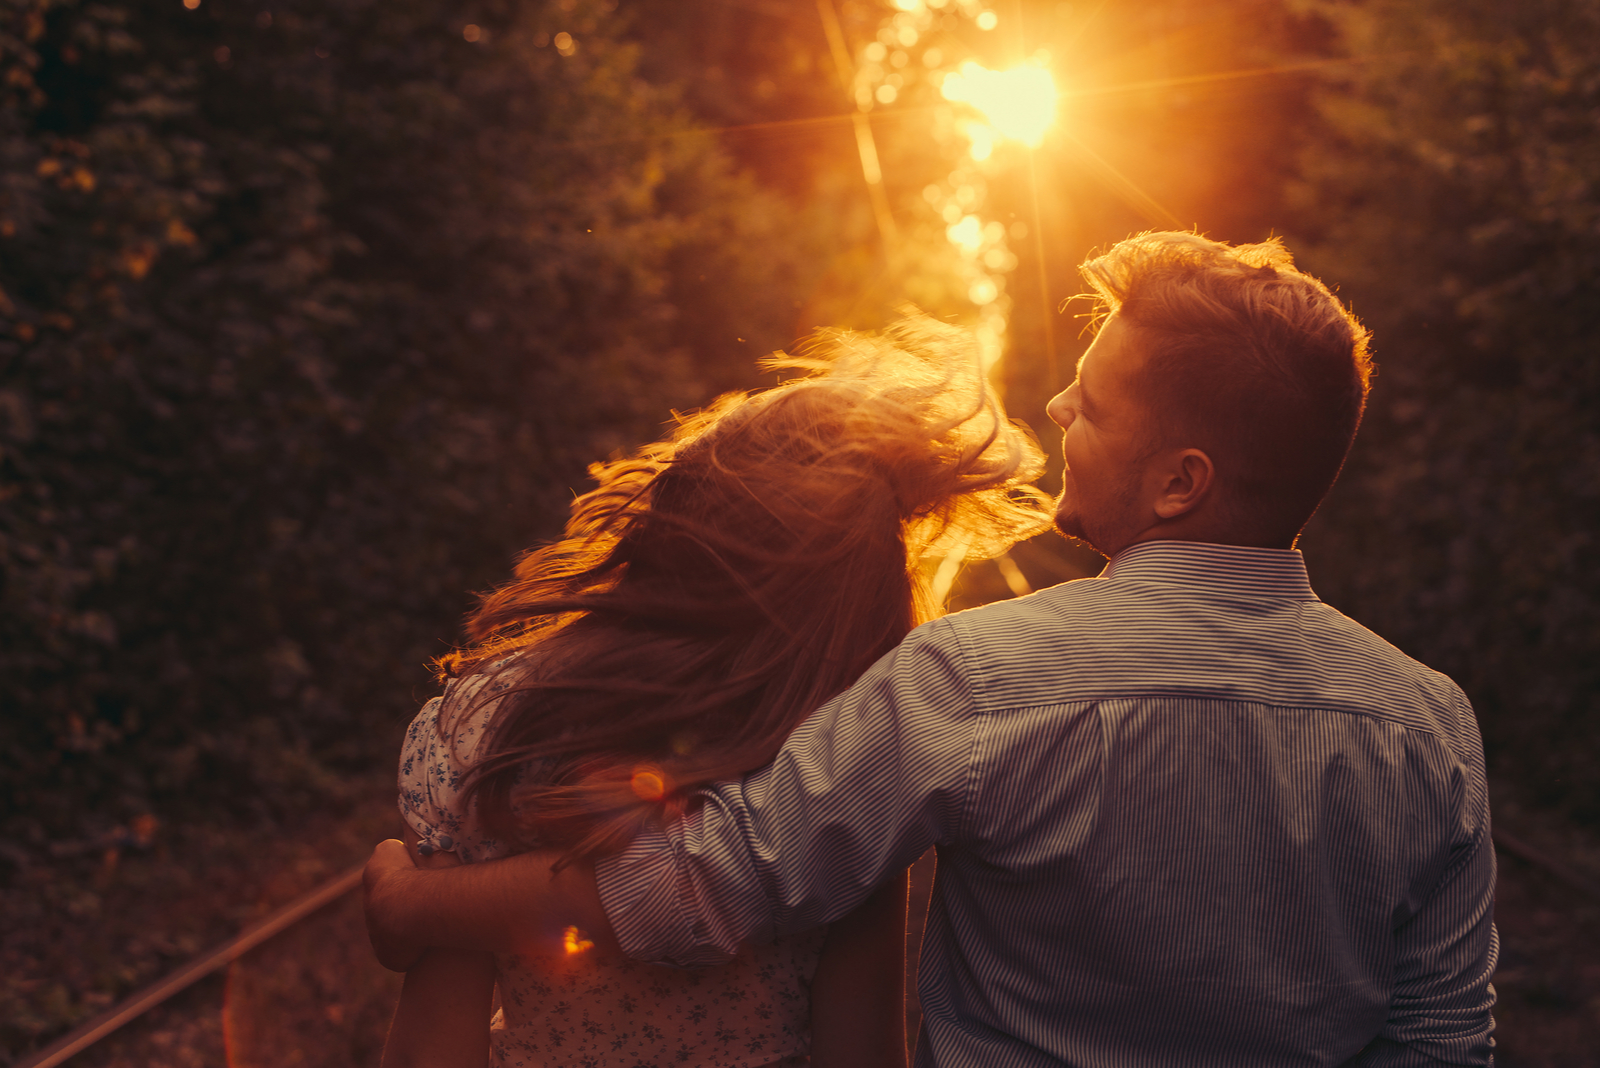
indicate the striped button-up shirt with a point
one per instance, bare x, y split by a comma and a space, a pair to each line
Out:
1186, 814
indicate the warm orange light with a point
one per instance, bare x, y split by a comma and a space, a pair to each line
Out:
1019, 103
573, 941
648, 785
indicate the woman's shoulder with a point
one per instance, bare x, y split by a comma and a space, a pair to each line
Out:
441, 745
485, 681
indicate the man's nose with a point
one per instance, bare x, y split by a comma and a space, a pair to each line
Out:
1059, 411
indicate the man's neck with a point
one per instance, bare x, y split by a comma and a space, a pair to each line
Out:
1209, 534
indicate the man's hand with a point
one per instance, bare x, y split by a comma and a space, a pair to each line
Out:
385, 885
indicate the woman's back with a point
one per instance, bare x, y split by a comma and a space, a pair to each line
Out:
588, 1009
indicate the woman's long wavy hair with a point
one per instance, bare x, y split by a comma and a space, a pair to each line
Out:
721, 584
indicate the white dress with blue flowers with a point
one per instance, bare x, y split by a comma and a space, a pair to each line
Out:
590, 1011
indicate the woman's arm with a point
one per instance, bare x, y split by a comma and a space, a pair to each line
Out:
442, 1020
858, 1000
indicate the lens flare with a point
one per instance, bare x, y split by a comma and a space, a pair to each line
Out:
573, 941
648, 785
1019, 103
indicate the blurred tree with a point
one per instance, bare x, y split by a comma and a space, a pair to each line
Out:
1457, 198
310, 315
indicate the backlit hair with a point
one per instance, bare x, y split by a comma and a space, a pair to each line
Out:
1247, 358
721, 584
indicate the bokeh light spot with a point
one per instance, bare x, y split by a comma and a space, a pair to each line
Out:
967, 234
471, 33
987, 20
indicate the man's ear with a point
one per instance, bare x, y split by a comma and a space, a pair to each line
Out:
1187, 479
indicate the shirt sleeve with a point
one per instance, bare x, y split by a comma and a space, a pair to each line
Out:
1441, 1009
858, 792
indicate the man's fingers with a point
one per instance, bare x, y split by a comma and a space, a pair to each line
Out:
383, 887
390, 853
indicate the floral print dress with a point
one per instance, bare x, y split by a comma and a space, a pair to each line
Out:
588, 1011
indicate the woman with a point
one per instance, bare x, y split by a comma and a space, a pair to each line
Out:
711, 592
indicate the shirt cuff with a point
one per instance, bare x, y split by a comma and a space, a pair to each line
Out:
639, 892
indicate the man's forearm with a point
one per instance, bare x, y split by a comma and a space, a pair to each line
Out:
512, 905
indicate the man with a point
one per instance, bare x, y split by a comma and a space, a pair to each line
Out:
1185, 813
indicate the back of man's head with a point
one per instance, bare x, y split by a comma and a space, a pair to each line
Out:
1246, 358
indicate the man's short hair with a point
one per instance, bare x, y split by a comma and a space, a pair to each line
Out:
1247, 358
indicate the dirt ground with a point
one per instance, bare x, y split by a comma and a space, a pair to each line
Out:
1548, 1014
80, 936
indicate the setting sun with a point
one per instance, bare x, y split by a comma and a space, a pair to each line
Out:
1019, 103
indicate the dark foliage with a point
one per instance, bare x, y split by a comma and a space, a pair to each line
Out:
1456, 198
310, 316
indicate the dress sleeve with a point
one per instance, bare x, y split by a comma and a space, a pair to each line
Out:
433, 770
856, 794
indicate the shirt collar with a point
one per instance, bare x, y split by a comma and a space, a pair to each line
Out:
1229, 570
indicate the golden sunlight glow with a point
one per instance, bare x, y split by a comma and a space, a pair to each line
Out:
980, 140
1019, 103
573, 941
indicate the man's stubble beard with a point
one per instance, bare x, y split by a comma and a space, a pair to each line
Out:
1071, 527
1107, 539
